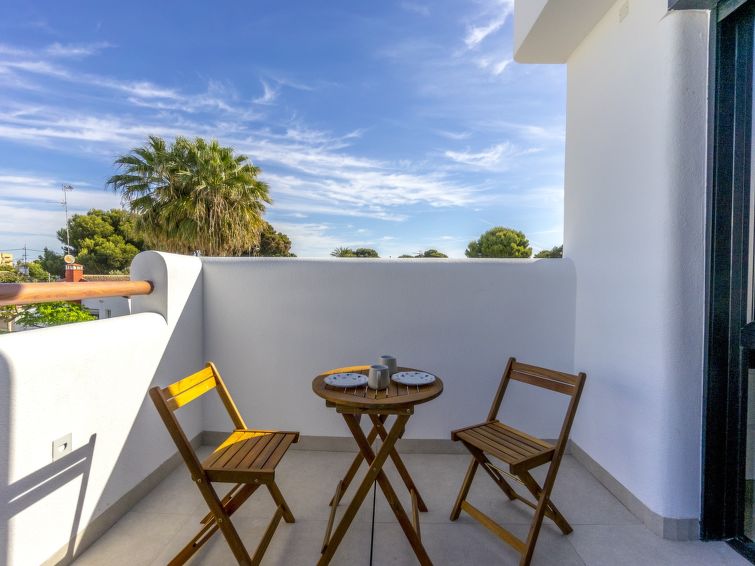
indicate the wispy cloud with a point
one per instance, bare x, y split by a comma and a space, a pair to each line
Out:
496, 67
495, 17
497, 156
269, 94
76, 50
477, 34
454, 135
416, 8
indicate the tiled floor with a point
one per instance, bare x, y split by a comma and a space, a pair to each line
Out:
605, 533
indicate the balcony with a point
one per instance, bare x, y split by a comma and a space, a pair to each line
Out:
271, 325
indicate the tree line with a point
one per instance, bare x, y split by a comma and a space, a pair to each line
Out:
498, 242
196, 196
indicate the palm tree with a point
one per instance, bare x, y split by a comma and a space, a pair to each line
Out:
342, 252
193, 196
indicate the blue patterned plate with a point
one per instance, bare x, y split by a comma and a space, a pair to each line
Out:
346, 380
413, 378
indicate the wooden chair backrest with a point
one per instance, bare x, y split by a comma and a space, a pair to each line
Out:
179, 394
557, 381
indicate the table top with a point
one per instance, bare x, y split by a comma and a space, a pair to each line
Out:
396, 396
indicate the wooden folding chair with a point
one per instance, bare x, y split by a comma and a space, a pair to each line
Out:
247, 458
521, 452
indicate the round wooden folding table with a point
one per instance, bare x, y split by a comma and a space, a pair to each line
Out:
351, 403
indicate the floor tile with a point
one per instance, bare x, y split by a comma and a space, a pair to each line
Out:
634, 545
135, 540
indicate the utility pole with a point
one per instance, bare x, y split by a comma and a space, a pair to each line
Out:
24, 268
67, 189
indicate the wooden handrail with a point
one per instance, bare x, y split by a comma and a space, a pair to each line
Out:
26, 293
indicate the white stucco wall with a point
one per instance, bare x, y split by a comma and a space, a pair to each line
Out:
634, 228
90, 379
272, 325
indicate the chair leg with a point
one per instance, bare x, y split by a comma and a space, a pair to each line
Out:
267, 537
543, 503
277, 496
223, 521
465, 485
551, 511
537, 522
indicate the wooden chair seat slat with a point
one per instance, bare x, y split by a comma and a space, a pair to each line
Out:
246, 457
251, 457
229, 453
226, 445
247, 447
482, 439
516, 442
535, 443
474, 438
277, 455
519, 436
250, 453
522, 452
261, 460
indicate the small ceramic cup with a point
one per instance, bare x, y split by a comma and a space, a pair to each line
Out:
378, 377
390, 363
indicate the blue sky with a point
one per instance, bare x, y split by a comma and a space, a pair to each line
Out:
399, 125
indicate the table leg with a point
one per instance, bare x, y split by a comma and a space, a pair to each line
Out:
375, 473
377, 422
352, 471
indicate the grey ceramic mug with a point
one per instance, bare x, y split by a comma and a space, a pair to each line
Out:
390, 363
378, 377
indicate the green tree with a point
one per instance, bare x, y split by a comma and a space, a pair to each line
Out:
52, 314
37, 272
193, 195
273, 243
9, 274
103, 240
555, 251
500, 242
365, 252
8, 314
432, 252
343, 252
52, 263
359, 252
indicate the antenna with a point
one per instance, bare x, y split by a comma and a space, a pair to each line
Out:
67, 189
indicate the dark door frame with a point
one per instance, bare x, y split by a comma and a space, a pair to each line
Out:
725, 388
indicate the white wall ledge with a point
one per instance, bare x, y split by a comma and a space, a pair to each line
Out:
547, 31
